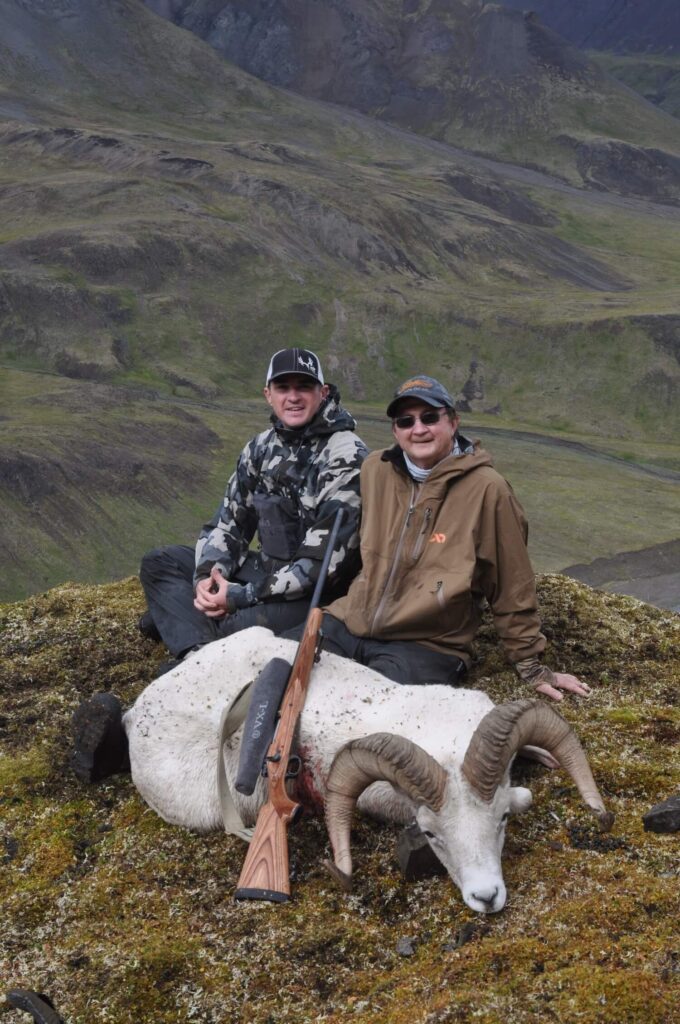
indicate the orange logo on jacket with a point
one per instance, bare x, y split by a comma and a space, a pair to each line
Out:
437, 538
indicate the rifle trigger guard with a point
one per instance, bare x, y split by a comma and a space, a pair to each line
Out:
294, 766
319, 645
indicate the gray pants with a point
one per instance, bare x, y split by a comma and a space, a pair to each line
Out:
402, 661
167, 578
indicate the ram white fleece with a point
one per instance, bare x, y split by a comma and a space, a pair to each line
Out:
173, 734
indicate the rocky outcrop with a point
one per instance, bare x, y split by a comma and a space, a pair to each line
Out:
615, 166
617, 25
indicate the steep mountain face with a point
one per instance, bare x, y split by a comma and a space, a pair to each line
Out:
480, 75
166, 220
624, 26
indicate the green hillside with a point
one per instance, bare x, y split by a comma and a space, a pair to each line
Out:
656, 76
165, 224
94, 474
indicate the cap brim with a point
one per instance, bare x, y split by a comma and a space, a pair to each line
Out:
435, 402
294, 373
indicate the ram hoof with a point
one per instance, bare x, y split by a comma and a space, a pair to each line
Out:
344, 880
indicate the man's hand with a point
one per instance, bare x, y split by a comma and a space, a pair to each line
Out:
562, 681
545, 681
211, 595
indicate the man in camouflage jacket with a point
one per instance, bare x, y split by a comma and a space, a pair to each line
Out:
288, 484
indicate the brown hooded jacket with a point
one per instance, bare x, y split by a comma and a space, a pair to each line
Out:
431, 553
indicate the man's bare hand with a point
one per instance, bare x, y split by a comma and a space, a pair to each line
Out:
211, 595
545, 681
562, 681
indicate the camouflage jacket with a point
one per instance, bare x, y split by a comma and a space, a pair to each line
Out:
313, 471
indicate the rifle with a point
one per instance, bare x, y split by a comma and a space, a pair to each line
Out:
265, 872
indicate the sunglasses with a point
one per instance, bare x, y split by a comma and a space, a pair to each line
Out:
408, 420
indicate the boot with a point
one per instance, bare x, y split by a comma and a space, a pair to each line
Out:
147, 627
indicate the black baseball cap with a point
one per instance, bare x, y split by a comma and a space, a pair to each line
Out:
427, 389
295, 360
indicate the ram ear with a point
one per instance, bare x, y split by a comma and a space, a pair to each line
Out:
520, 799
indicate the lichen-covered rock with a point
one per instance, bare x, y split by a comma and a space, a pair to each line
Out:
663, 817
123, 918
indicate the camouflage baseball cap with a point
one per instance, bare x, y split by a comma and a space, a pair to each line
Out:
295, 360
427, 389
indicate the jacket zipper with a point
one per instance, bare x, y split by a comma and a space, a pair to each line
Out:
395, 561
418, 546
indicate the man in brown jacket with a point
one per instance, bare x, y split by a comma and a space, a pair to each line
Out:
441, 532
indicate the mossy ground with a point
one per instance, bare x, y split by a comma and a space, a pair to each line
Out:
122, 918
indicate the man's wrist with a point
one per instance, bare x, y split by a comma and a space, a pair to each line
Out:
532, 671
240, 595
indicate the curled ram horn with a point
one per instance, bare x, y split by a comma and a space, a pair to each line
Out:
507, 728
379, 757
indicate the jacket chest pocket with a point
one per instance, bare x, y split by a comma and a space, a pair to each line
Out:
423, 535
279, 525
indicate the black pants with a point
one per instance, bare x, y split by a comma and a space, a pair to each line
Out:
402, 661
167, 579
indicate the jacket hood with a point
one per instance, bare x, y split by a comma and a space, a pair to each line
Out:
330, 418
450, 468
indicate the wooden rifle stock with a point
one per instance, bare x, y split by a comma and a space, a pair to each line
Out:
265, 874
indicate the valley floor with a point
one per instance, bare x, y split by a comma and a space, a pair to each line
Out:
651, 574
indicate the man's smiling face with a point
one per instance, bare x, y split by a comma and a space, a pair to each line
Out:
295, 399
426, 444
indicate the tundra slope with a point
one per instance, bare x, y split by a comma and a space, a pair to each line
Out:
437, 754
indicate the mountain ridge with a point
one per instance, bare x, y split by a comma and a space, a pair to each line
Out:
481, 75
620, 26
165, 244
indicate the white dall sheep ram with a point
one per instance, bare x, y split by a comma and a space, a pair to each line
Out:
437, 754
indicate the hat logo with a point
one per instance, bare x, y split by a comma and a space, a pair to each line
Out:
417, 382
308, 365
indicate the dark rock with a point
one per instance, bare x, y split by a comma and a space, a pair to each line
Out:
406, 946
508, 202
79, 960
473, 389
614, 166
663, 817
468, 931
415, 855
663, 330
11, 849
